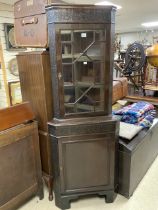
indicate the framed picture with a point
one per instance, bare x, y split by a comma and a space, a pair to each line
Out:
13, 67
10, 38
14, 92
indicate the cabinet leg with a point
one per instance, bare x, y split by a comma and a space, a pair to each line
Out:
110, 197
63, 203
49, 182
50, 188
40, 192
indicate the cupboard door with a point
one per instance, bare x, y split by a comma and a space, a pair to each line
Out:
86, 163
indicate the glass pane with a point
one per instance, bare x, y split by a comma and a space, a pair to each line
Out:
89, 72
66, 35
69, 99
83, 64
92, 101
99, 72
96, 52
69, 95
67, 74
84, 72
82, 39
66, 49
100, 35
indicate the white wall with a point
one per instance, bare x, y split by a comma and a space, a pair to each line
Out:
6, 16
144, 37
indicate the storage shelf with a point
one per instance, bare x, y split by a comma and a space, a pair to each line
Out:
88, 107
82, 58
68, 84
84, 84
88, 84
66, 42
84, 107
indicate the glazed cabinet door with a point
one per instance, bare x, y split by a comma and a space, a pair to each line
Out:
82, 69
86, 163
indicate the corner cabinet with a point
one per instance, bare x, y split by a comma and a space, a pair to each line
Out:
83, 133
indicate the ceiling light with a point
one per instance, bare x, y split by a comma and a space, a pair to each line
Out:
150, 24
108, 3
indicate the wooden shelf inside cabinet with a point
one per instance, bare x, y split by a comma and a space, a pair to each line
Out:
84, 107
89, 107
68, 84
80, 57
89, 84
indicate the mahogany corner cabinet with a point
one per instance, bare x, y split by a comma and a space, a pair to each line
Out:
83, 135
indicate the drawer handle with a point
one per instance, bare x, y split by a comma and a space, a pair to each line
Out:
31, 21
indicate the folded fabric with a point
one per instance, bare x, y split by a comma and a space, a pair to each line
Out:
132, 119
146, 122
128, 131
141, 113
136, 109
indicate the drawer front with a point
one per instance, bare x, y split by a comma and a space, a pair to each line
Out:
18, 162
31, 31
86, 163
82, 129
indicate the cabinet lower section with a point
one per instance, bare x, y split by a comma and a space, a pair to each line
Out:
84, 158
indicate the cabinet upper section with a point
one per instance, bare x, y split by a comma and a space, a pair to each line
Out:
81, 53
80, 14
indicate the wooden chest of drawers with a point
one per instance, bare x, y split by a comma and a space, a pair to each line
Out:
35, 81
20, 166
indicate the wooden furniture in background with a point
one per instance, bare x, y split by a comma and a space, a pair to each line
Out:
152, 100
31, 22
15, 115
35, 80
83, 133
135, 158
20, 166
120, 88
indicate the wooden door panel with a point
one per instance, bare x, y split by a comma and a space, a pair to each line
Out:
85, 164
18, 169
